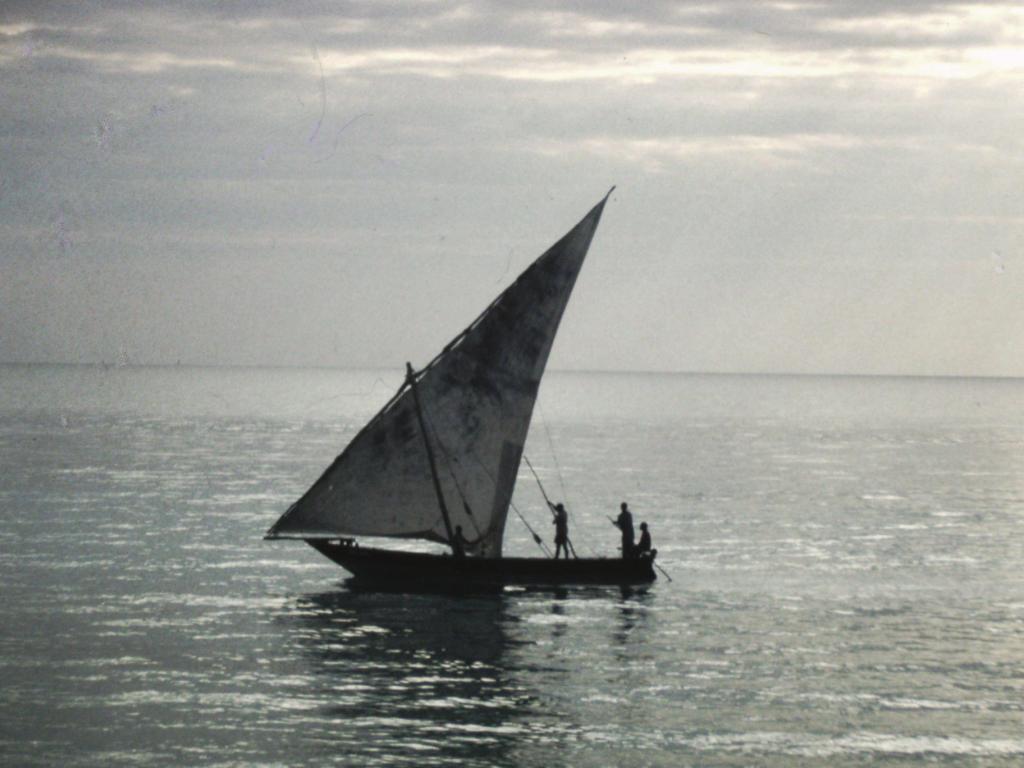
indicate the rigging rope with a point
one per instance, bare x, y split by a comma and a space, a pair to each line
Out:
551, 506
448, 463
536, 537
554, 457
558, 469
451, 459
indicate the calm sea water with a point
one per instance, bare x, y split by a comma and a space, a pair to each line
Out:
847, 558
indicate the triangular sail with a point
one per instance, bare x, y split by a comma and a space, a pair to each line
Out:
477, 397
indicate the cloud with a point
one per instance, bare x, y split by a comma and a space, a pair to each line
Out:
414, 139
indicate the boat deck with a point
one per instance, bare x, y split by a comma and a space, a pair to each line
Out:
418, 569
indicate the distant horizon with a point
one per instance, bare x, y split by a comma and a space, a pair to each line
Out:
399, 368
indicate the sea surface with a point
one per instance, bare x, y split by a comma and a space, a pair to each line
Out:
846, 559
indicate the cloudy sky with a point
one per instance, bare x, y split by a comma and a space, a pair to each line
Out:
830, 187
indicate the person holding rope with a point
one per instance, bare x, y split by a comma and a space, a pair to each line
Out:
562, 540
561, 523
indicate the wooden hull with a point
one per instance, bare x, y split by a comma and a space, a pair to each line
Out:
417, 570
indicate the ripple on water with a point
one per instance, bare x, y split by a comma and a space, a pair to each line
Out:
846, 591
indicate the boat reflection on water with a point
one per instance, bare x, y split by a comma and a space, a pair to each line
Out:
633, 618
413, 675
490, 678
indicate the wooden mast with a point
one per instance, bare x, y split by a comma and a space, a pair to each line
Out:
410, 378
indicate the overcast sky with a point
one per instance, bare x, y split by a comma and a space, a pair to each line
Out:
830, 187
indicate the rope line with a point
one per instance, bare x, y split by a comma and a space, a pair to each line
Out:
453, 460
554, 457
449, 461
558, 469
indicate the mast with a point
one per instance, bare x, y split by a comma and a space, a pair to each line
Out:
411, 379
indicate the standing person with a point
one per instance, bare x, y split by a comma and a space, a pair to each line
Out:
459, 543
624, 522
644, 546
561, 523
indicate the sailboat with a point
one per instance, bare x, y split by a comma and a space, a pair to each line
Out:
440, 460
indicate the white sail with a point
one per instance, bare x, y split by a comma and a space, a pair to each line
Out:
477, 397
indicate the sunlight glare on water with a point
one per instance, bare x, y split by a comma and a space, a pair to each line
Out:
846, 558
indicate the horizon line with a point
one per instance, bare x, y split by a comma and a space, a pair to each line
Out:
601, 371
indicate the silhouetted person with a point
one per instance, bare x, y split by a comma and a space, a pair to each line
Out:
561, 523
625, 524
644, 545
459, 542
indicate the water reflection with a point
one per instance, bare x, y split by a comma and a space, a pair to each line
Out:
633, 617
490, 679
414, 674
